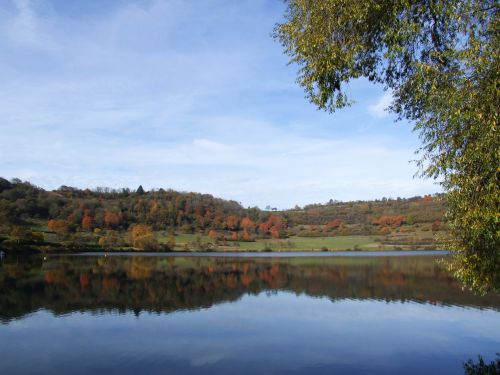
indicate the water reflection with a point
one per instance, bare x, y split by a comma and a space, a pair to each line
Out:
167, 284
129, 315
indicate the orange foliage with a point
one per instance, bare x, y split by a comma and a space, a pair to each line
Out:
331, 225
112, 219
276, 221
153, 207
274, 225
57, 276
264, 227
110, 283
58, 226
232, 222
87, 222
246, 280
247, 223
275, 232
230, 281
139, 230
396, 221
84, 280
246, 236
245, 268
212, 234
427, 198
142, 237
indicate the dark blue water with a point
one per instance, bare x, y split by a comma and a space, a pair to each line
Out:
134, 314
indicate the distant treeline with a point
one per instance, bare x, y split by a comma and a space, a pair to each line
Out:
68, 210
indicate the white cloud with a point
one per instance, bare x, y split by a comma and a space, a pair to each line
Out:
379, 109
192, 96
24, 23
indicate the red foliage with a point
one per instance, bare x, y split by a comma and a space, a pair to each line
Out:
275, 232
436, 226
331, 225
276, 221
112, 219
87, 222
84, 280
396, 221
110, 283
274, 226
264, 227
232, 222
247, 223
59, 226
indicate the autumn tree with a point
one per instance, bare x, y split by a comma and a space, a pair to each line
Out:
440, 61
388, 220
232, 222
234, 236
275, 232
110, 240
274, 226
264, 227
333, 224
61, 227
212, 234
112, 219
247, 224
87, 221
246, 236
142, 237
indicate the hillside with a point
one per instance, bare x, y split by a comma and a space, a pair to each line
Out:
169, 220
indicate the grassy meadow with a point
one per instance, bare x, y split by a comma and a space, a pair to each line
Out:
188, 242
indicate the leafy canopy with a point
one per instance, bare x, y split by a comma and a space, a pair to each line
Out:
440, 60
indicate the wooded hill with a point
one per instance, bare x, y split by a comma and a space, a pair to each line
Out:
115, 218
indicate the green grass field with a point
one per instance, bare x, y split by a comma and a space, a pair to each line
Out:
396, 240
334, 243
290, 244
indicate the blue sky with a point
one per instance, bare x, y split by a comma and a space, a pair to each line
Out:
190, 95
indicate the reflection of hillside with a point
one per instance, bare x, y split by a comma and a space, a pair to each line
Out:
166, 284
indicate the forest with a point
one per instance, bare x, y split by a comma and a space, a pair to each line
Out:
34, 219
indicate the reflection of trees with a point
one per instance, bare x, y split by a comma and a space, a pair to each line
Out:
481, 367
165, 284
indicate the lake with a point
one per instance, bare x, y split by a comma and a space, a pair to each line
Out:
280, 314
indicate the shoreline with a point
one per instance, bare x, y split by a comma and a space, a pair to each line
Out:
32, 250
249, 254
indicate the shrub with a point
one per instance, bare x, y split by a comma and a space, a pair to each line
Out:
142, 237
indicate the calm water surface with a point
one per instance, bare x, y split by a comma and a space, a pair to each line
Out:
238, 315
